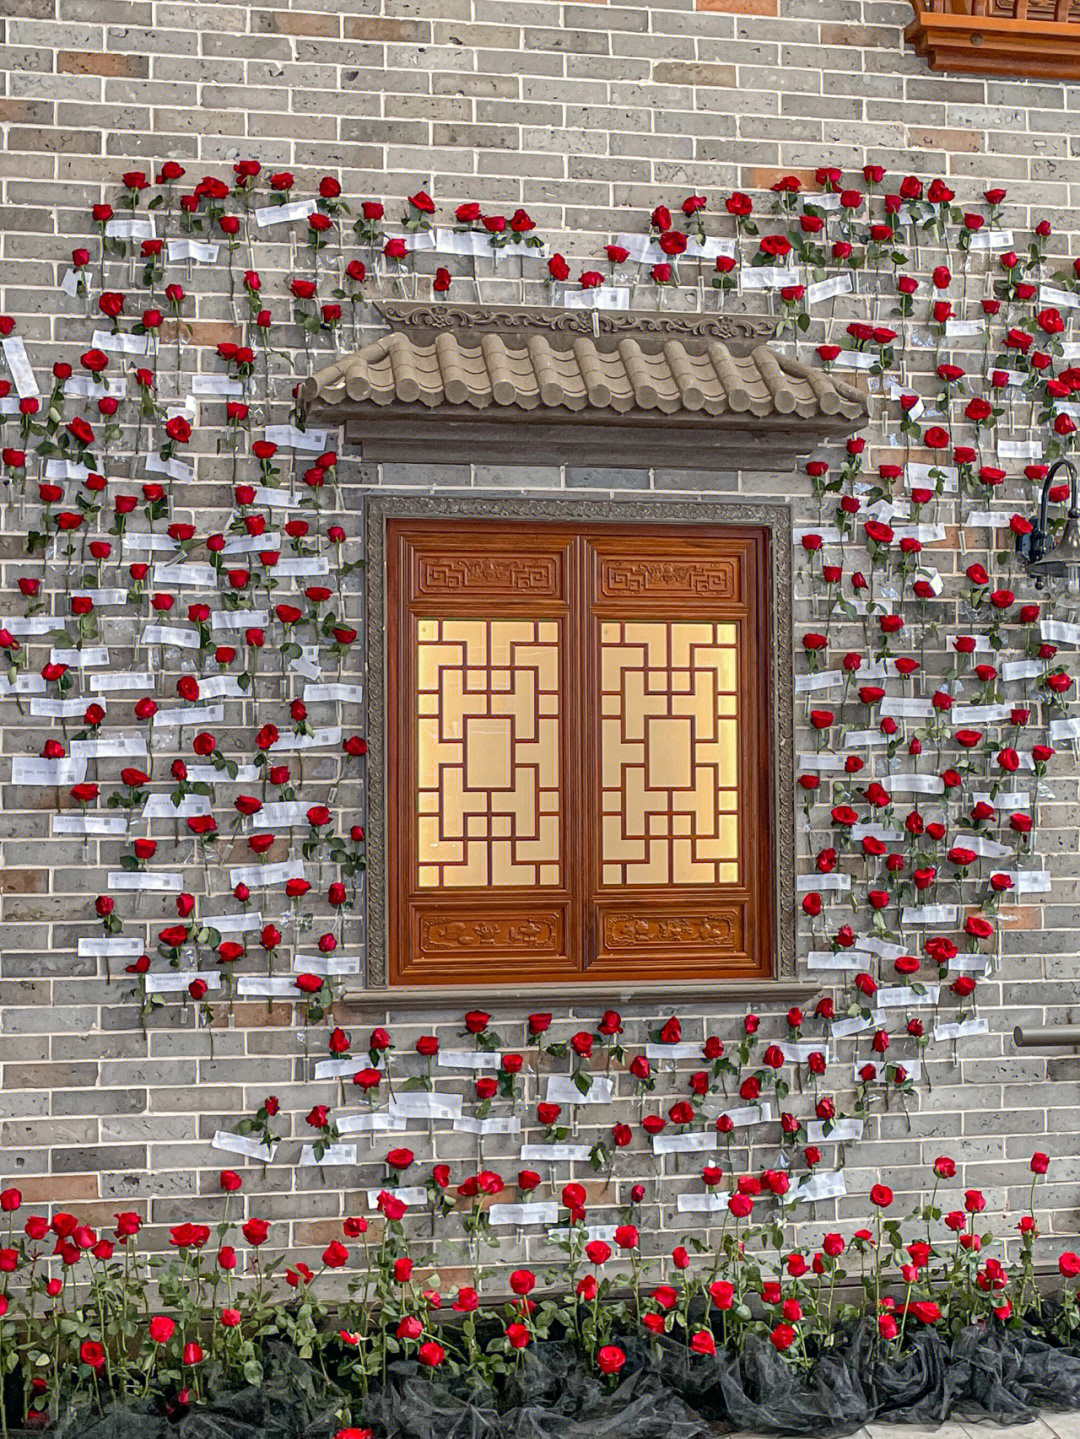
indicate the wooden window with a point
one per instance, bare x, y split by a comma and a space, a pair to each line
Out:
579, 752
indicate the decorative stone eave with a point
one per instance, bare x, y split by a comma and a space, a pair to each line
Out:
1037, 39
531, 385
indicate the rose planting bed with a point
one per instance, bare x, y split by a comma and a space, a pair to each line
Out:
756, 1334
986, 1372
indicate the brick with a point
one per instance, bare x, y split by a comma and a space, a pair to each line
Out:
124, 1157
88, 62
203, 333
857, 37
66, 142
26, 112
738, 7
58, 1189
957, 141
295, 22
364, 27
762, 178
23, 881
674, 72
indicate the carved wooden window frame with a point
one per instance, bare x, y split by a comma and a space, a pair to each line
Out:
380, 511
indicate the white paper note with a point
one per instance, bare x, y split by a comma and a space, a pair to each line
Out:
536, 1153
160, 806
332, 1154
825, 289
186, 576
243, 1144
27, 769
470, 1059
701, 1203
930, 914
121, 344
502, 1124
561, 1089
115, 825
156, 882
842, 1131
961, 1030
113, 945
316, 441
606, 297
176, 981
346, 694
522, 1214
179, 249
425, 1104
682, 1050
262, 876
20, 368
216, 385
239, 619
267, 986
991, 240
370, 1122
169, 635
123, 228
825, 1184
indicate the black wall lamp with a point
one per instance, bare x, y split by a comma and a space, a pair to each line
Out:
1062, 562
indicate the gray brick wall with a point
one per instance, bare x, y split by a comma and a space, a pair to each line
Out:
587, 115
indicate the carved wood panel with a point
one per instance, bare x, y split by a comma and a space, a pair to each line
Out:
488, 575
716, 579
715, 928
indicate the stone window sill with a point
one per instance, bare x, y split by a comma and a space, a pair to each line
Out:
502, 997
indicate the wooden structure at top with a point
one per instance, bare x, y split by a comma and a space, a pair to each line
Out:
1025, 39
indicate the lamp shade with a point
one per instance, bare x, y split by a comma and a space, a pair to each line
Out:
1064, 557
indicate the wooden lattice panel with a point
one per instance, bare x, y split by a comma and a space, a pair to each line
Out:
487, 734
1049, 10
669, 753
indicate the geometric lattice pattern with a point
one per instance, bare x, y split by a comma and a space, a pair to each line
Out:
487, 743
669, 753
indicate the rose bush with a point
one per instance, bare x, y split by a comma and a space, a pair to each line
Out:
82, 1327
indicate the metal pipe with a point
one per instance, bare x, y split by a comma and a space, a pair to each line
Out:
1046, 1036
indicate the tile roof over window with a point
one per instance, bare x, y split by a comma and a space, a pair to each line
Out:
668, 380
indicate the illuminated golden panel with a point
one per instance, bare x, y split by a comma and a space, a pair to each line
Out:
669, 753
487, 753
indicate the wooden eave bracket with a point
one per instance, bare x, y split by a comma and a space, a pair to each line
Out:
995, 45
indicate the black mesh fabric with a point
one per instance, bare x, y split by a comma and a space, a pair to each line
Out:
765, 1392
1000, 1373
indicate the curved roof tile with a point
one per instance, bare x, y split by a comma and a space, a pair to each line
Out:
698, 381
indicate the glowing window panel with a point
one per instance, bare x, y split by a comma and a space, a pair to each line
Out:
487, 753
669, 752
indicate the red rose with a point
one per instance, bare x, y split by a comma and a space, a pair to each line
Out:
610, 1359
